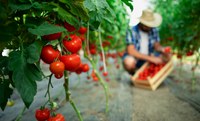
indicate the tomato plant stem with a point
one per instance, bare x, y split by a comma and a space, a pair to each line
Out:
76, 109
87, 40
102, 82
48, 88
66, 85
103, 55
105, 86
21, 114
68, 95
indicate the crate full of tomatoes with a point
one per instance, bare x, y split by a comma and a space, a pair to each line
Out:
150, 76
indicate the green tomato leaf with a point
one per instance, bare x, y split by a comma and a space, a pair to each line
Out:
4, 65
76, 7
66, 16
24, 76
15, 7
45, 29
99, 10
47, 6
27, 6
33, 52
128, 3
5, 92
7, 32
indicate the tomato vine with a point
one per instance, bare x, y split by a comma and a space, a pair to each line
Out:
37, 30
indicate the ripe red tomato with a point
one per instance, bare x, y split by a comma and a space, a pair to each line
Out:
85, 68
49, 54
82, 37
57, 67
82, 30
110, 37
93, 51
93, 74
79, 69
189, 53
120, 54
95, 78
42, 114
69, 27
92, 46
106, 43
51, 37
58, 76
170, 38
105, 73
100, 68
71, 62
58, 117
73, 45
179, 56
167, 49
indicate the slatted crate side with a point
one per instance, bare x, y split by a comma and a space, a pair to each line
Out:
143, 86
160, 73
161, 79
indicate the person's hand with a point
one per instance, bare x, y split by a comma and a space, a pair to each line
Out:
166, 53
166, 57
155, 60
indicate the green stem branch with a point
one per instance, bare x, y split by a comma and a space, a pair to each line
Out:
19, 117
102, 82
87, 40
102, 50
105, 86
68, 95
76, 109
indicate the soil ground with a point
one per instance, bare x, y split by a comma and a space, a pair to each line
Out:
172, 101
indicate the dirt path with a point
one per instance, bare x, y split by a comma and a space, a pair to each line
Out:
161, 105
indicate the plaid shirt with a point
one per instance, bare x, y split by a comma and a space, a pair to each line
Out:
133, 37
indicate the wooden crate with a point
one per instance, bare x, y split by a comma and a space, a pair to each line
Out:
154, 82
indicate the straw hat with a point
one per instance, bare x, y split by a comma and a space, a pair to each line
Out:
150, 19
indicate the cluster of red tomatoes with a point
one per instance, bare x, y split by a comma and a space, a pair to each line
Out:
179, 55
150, 71
67, 60
94, 76
45, 115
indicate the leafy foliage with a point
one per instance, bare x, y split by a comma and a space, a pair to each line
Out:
46, 28
116, 32
128, 3
98, 11
23, 23
24, 75
5, 90
180, 27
